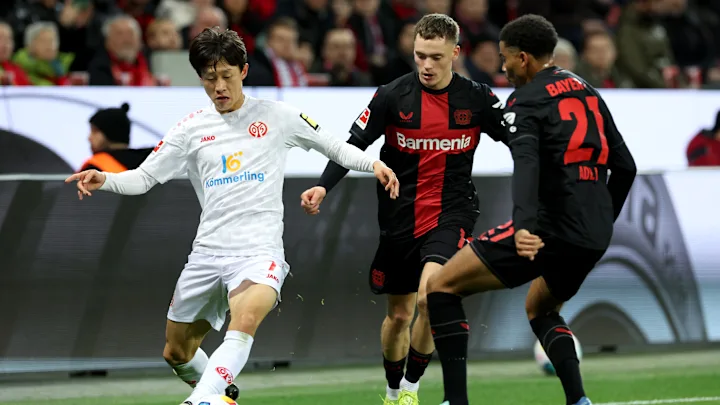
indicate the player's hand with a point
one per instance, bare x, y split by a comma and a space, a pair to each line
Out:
310, 199
87, 181
387, 178
527, 244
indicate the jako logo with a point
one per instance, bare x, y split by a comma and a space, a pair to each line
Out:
231, 164
207, 138
434, 144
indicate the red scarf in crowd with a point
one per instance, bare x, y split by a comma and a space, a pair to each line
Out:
287, 73
132, 74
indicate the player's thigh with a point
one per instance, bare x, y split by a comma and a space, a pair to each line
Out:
564, 269
396, 267
253, 285
442, 243
489, 263
199, 293
183, 339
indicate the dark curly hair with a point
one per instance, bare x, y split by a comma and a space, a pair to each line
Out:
530, 33
213, 45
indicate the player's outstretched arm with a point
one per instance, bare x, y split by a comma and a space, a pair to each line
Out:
131, 182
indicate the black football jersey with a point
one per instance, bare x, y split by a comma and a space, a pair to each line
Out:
563, 141
430, 142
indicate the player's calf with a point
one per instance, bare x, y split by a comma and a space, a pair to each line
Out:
247, 309
555, 337
182, 349
450, 332
395, 340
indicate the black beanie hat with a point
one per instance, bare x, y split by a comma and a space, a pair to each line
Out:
114, 123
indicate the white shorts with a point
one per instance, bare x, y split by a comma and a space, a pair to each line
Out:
202, 290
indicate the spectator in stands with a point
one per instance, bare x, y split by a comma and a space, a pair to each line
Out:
181, 12
312, 17
10, 73
121, 62
404, 9
206, 17
242, 21
474, 25
306, 55
163, 36
403, 61
342, 11
691, 40
375, 32
483, 64
338, 59
566, 15
644, 52
277, 64
704, 149
41, 59
110, 142
565, 55
437, 7
597, 65
142, 10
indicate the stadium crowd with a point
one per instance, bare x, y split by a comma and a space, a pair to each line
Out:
610, 43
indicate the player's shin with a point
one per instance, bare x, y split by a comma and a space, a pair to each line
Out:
450, 331
557, 341
225, 363
191, 371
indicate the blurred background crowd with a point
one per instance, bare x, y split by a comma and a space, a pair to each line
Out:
610, 43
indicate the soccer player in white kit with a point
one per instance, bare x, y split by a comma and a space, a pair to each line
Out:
234, 154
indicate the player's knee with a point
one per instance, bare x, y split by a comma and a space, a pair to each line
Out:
246, 322
176, 354
435, 283
400, 320
422, 305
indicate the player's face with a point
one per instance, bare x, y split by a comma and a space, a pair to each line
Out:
223, 84
434, 59
514, 64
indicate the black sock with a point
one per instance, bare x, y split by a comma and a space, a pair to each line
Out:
394, 371
417, 363
557, 341
450, 331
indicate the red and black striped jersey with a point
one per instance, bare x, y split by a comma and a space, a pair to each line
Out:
563, 141
430, 142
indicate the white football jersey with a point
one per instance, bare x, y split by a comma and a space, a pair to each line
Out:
236, 164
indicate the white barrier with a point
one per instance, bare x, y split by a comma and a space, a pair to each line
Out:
657, 124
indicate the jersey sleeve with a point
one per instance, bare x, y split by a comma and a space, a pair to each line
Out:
523, 131
304, 132
366, 129
169, 158
620, 162
492, 119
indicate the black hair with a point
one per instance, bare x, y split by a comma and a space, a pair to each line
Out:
530, 33
212, 45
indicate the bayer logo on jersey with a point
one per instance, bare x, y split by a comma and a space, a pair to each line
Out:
232, 172
543, 361
217, 400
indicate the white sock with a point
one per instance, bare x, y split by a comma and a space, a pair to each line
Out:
392, 393
408, 386
225, 364
191, 371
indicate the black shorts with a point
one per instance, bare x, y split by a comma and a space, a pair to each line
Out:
564, 266
398, 264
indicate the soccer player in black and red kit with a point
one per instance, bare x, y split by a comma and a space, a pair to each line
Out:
563, 141
432, 122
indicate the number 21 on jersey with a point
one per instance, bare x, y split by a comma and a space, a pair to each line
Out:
574, 109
